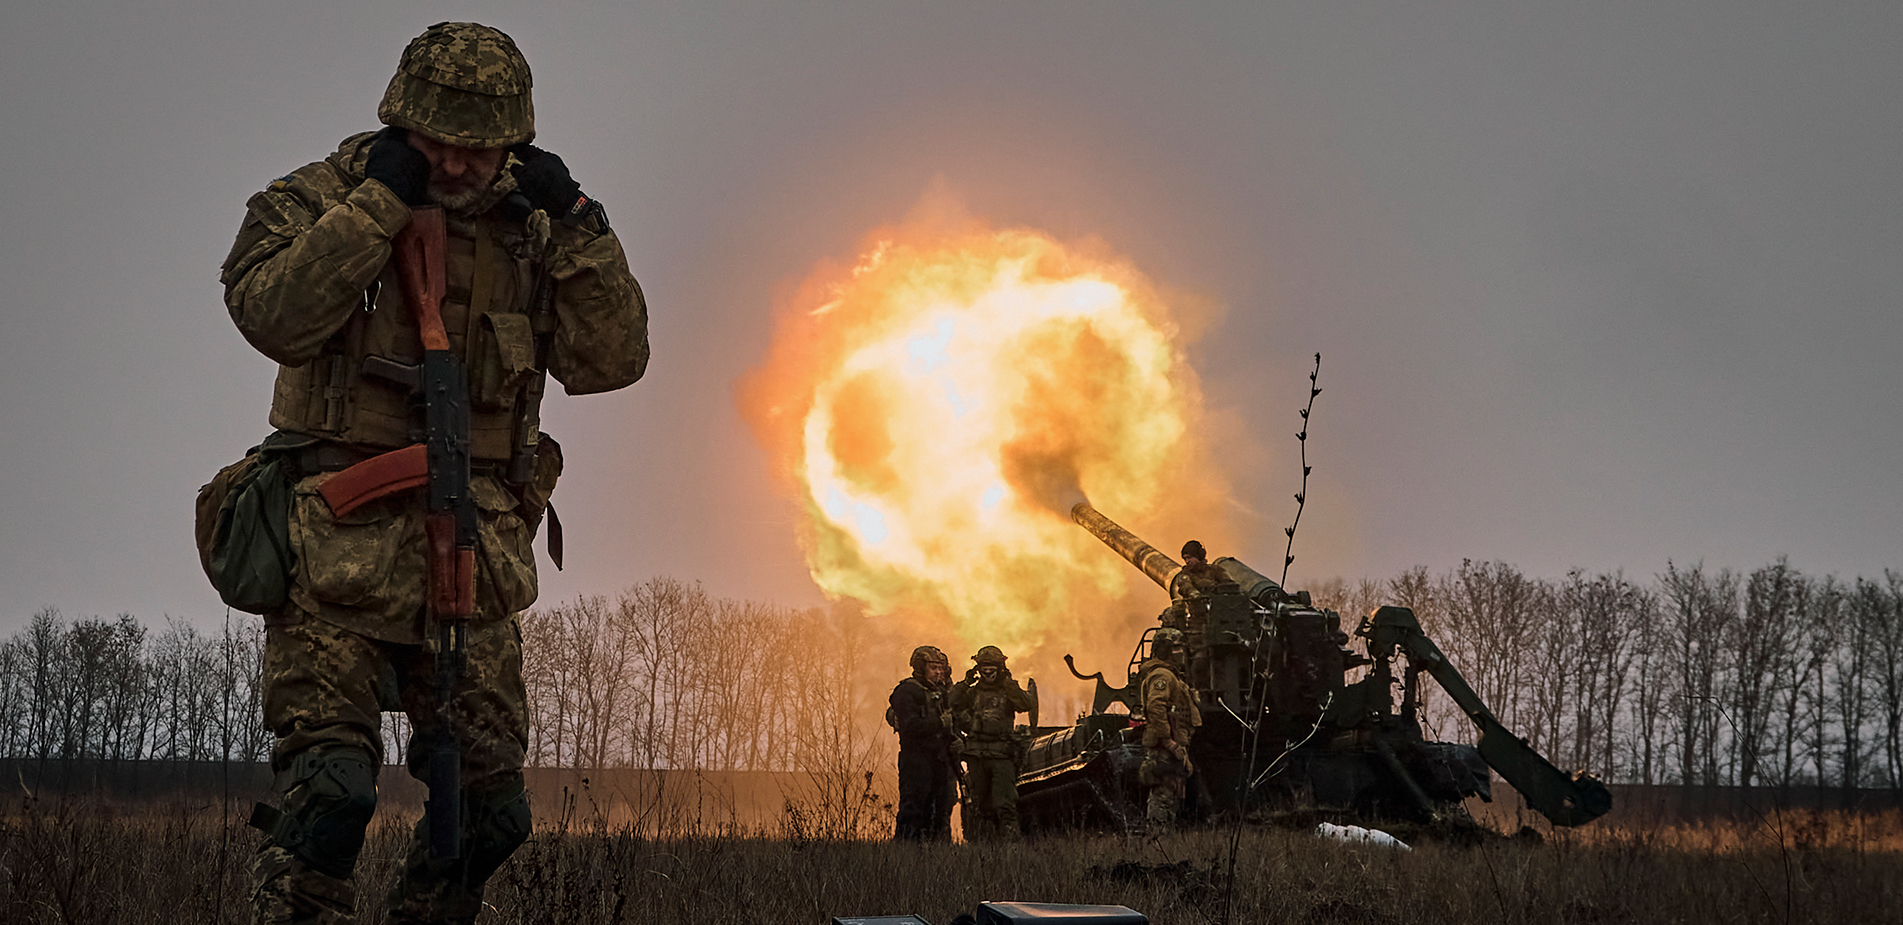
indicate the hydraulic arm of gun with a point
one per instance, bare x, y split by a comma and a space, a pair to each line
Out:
1565, 800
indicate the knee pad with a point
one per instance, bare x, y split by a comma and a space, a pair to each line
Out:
499, 822
329, 797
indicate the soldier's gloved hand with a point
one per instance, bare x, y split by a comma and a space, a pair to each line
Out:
544, 179
395, 164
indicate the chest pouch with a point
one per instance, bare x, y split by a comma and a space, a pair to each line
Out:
502, 361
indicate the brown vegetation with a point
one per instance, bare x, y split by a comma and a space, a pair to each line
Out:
80, 862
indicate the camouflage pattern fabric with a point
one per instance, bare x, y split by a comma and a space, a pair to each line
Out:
462, 83
985, 714
1170, 714
1166, 778
316, 244
1169, 706
365, 571
326, 686
992, 810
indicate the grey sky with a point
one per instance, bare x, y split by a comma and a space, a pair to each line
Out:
1596, 284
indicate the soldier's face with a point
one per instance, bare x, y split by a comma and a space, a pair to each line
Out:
937, 672
458, 175
988, 672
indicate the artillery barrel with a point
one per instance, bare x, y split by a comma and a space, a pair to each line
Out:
1161, 568
1255, 586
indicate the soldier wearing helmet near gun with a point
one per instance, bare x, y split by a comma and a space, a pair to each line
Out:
1189, 610
984, 709
416, 286
920, 714
1170, 718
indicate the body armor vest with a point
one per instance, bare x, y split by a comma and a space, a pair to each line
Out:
351, 393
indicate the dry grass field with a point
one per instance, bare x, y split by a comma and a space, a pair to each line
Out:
74, 861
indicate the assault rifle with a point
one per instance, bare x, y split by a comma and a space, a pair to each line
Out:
449, 527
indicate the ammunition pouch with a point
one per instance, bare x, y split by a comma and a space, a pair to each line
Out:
503, 359
369, 559
243, 535
329, 797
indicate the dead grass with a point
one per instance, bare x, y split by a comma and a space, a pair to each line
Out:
79, 862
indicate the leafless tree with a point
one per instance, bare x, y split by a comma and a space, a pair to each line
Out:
1699, 611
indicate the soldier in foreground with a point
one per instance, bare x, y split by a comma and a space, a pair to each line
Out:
921, 714
984, 709
1170, 718
523, 279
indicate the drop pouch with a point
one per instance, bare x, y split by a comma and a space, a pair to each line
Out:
242, 528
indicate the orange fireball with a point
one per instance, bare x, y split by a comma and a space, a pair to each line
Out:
938, 405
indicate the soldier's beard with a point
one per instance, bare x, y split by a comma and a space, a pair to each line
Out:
460, 195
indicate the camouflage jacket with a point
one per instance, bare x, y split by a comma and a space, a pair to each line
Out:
310, 284
986, 715
1169, 706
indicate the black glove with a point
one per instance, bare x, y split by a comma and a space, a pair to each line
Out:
398, 166
543, 178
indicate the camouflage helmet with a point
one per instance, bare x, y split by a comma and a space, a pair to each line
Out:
462, 84
1194, 550
989, 655
928, 655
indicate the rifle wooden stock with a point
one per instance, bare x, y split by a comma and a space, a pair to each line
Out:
419, 251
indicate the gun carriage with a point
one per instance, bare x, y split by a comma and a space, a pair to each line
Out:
1261, 656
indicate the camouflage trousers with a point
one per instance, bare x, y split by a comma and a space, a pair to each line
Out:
991, 805
325, 688
1167, 779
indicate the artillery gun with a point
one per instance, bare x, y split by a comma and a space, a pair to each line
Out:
1265, 657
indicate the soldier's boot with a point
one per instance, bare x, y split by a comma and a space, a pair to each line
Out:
303, 871
431, 890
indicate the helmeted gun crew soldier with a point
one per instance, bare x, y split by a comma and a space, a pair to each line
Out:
1189, 607
920, 712
984, 709
416, 286
1170, 718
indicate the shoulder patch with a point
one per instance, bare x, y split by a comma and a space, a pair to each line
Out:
281, 182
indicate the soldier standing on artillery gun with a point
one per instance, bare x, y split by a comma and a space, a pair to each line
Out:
985, 706
1170, 718
921, 714
416, 286
1189, 607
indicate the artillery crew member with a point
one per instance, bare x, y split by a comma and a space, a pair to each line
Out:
984, 708
1189, 605
920, 712
530, 281
1170, 718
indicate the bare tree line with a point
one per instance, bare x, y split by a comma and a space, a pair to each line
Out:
112, 689
1714, 677
667, 676
1703, 677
